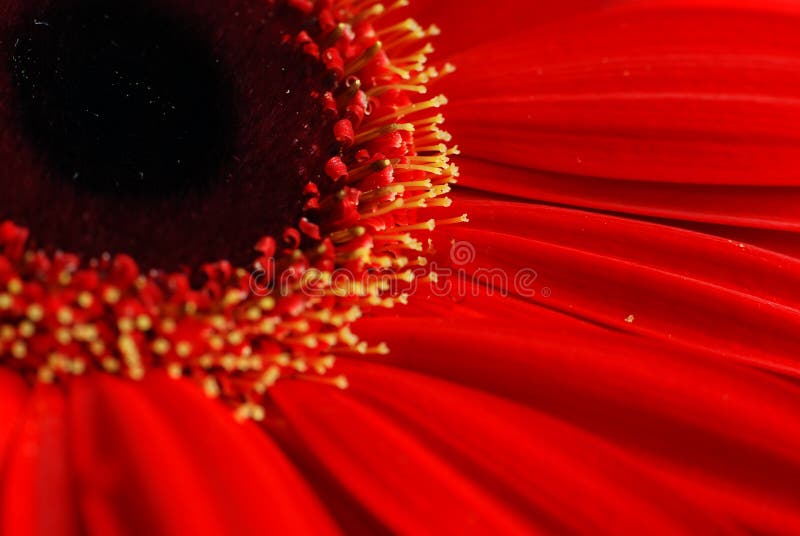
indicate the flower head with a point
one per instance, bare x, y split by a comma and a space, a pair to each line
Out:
609, 346
324, 183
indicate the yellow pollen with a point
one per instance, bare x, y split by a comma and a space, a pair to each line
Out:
126, 325
161, 346
233, 297
15, 286
267, 303
364, 171
267, 326
45, 375
19, 350
441, 202
63, 336
144, 323
175, 371
27, 329
365, 58
339, 382
341, 237
65, 316
7, 333
77, 367
129, 349
111, 365
377, 132
253, 314
85, 300
235, 338
86, 333
183, 349
450, 221
136, 372
112, 295
35, 312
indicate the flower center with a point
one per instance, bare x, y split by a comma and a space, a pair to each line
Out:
289, 175
122, 99
176, 132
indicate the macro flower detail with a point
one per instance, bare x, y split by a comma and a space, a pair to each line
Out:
608, 346
233, 328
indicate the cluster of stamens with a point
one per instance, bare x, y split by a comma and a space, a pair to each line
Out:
288, 315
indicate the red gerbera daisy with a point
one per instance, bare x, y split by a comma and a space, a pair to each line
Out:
263, 322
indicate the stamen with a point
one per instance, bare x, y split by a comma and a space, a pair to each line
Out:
377, 132
435, 102
287, 316
364, 59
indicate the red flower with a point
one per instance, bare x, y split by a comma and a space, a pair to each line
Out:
616, 352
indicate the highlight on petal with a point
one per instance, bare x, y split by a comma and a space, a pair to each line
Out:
751, 205
160, 457
383, 465
721, 440
468, 25
36, 485
538, 465
675, 110
693, 290
670, 94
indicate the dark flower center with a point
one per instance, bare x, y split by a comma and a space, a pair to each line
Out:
187, 131
177, 132
122, 99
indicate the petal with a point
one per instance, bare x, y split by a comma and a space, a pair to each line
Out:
722, 437
784, 242
542, 466
655, 109
661, 93
159, 457
390, 470
693, 290
469, 24
36, 485
12, 406
747, 206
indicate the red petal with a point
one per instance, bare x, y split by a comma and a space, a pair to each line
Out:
470, 24
723, 438
36, 485
13, 397
529, 460
656, 109
660, 93
411, 490
691, 289
159, 457
785, 242
752, 206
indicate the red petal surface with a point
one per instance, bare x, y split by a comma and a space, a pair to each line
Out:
671, 109
666, 93
693, 290
467, 25
723, 437
412, 489
751, 205
519, 454
161, 458
36, 487
652, 388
